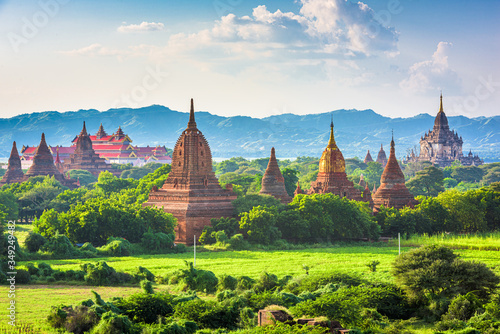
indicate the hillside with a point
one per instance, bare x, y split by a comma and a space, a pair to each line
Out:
356, 131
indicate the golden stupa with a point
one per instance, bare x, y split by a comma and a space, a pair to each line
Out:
332, 160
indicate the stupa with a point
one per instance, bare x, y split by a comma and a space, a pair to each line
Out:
14, 171
43, 165
332, 177
192, 192
392, 191
381, 157
273, 182
368, 158
84, 157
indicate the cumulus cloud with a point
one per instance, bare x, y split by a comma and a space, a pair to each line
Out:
143, 27
433, 74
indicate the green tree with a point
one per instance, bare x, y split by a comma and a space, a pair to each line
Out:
291, 179
428, 182
437, 270
84, 176
246, 203
467, 174
8, 204
259, 225
468, 212
39, 197
373, 172
226, 166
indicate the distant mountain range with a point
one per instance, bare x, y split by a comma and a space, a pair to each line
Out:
356, 131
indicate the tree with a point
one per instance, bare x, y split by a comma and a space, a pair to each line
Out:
8, 204
468, 212
373, 172
109, 183
259, 225
428, 182
291, 179
467, 174
247, 202
226, 166
39, 197
437, 270
84, 176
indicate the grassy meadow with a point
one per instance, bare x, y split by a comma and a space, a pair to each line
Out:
34, 301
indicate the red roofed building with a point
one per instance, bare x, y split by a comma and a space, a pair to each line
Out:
114, 148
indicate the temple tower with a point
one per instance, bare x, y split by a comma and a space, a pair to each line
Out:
392, 191
192, 192
381, 157
84, 157
273, 182
58, 163
368, 158
14, 171
43, 165
332, 177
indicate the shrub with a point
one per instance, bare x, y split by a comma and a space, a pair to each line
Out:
34, 241
180, 248
32, 269
78, 320
60, 246
237, 242
247, 318
157, 241
312, 283
142, 273
147, 286
44, 269
227, 282
199, 280
112, 323
57, 316
462, 307
102, 274
23, 276
266, 282
208, 314
88, 247
146, 307
226, 294
245, 283
266, 298
117, 247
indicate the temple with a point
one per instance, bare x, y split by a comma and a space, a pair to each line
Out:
84, 157
442, 146
392, 191
273, 182
43, 165
368, 158
192, 192
114, 148
14, 173
332, 177
381, 157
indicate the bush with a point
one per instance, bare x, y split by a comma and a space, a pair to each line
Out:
227, 282
88, 247
112, 323
312, 283
78, 320
198, 280
208, 314
44, 269
101, 274
60, 246
236, 242
57, 316
147, 286
157, 241
146, 307
23, 276
266, 282
34, 241
245, 283
142, 273
32, 269
462, 307
117, 247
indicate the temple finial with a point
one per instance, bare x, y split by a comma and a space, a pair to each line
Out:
441, 103
192, 122
84, 130
392, 141
331, 142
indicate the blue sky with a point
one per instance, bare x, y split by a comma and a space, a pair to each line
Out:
255, 58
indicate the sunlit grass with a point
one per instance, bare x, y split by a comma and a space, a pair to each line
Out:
475, 241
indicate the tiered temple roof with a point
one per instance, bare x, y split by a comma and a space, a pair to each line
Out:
368, 158
392, 191
381, 157
273, 182
332, 177
192, 192
14, 173
84, 157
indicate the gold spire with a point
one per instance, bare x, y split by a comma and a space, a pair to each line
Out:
331, 142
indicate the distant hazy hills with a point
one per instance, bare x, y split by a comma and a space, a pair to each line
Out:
356, 131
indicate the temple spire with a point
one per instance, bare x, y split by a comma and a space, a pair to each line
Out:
192, 122
331, 142
441, 103
84, 130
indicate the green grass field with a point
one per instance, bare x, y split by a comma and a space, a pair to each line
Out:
478, 241
34, 301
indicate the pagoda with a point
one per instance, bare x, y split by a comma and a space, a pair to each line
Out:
273, 182
332, 177
442, 146
368, 158
84, 157
14, 173
58, 163
381, 157
192, 192
392, 191
43, 165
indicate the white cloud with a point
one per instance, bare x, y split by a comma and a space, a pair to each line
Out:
434, 74
143, 27
93, 50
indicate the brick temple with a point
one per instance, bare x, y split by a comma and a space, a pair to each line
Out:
392, 191
192, 192
332, 177
43, 165
382, 157
84, 157
14, 173
368, 158
273, 182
